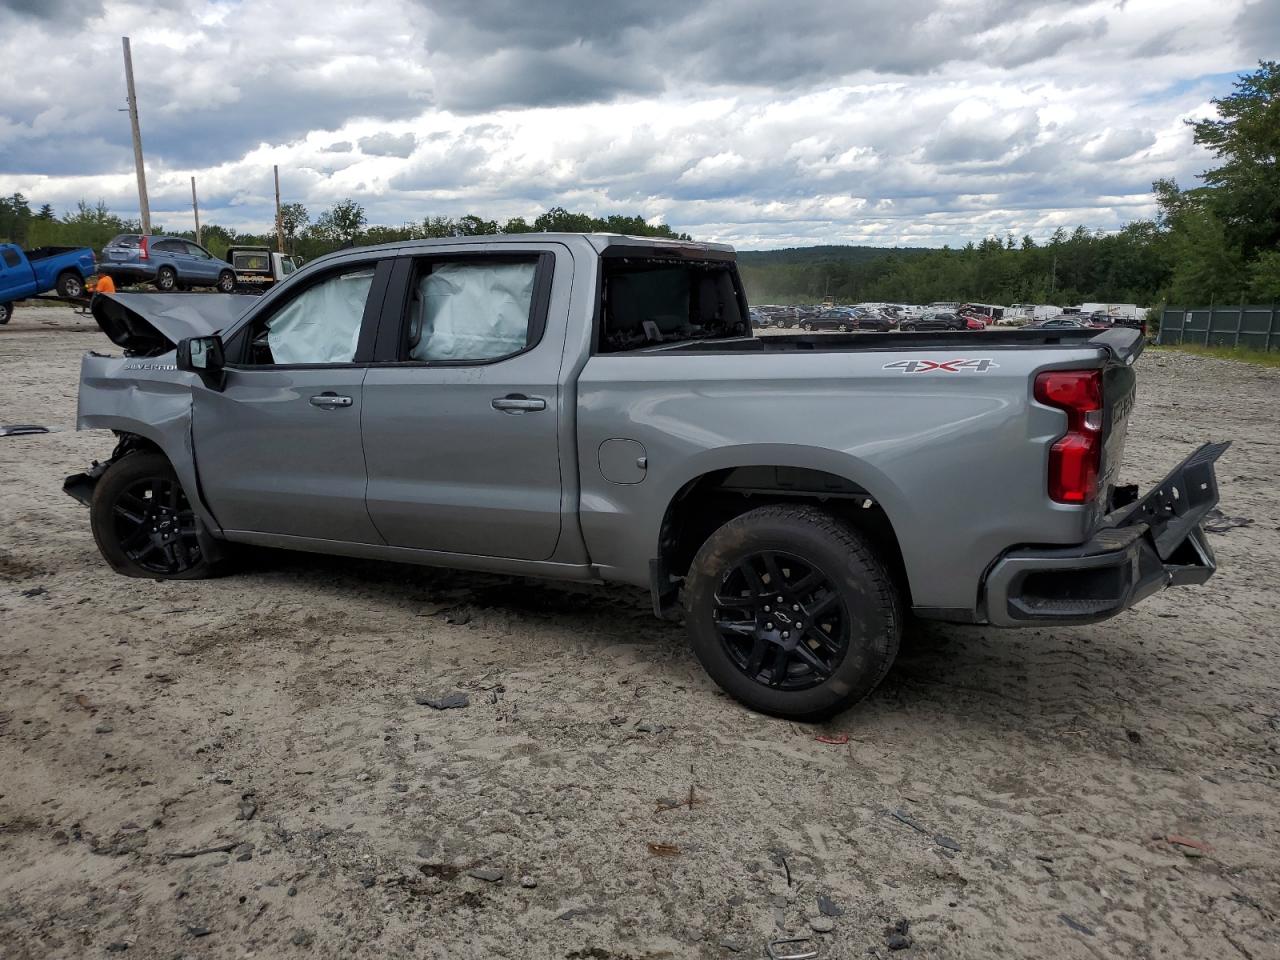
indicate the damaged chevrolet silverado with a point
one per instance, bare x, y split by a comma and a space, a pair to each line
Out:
595, 407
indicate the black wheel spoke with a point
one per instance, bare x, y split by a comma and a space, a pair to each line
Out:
733, 602
803, 653
741, 628
822, 638
756, 660
776, 581
752, 578
800, 640
815, 611
807, 584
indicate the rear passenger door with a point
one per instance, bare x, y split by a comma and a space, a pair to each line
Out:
462, 406
202, 265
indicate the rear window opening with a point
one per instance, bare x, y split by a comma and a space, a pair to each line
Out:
655, 301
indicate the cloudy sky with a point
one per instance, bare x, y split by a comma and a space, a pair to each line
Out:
757, 122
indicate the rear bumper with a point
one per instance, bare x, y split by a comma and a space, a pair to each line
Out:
1143, 547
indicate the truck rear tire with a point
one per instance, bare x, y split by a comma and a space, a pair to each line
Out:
143, 524
70, 285
791, 612
6, 313
166, 279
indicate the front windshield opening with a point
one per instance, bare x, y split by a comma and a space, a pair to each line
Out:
652, 301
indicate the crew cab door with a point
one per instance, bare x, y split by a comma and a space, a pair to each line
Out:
462, 405
278, 449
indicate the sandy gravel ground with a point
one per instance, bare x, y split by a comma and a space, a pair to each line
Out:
599, 798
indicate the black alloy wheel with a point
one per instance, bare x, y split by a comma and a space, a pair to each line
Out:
781, 621
791, 612
156, 527
143, 523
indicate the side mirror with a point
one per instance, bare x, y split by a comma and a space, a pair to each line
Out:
203, 356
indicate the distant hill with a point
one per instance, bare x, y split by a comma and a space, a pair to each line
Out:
827, 253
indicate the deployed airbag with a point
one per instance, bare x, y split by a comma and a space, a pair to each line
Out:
321, 325
471, 311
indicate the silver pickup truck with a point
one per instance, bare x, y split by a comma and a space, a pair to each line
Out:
595, 407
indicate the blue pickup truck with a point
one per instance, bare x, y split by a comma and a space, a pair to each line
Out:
27, 273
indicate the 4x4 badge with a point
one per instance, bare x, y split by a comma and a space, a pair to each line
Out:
948, 366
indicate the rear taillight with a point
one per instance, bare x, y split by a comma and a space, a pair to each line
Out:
1076, 459
143, 253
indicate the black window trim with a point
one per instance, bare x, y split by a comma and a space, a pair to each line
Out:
717, 259
237, 344
393, 334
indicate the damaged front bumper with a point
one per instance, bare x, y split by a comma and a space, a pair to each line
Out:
1142, 547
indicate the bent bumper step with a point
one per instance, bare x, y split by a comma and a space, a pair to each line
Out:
1153, 543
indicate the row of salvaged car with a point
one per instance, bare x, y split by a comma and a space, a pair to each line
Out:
845, 319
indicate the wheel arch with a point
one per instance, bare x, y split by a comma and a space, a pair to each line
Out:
727, 485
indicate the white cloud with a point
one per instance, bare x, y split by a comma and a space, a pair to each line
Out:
916, 121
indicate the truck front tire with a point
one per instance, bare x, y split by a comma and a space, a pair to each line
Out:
143, 524
226, 282
791, 612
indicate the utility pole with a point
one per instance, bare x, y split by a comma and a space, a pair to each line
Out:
279, 222
143, 205
195, 208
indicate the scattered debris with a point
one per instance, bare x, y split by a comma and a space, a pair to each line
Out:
1075, 924
670, 804
793, 954
302, 937
1189, 842
898, 937
197, 931
733, 946
226, 846
779, 857
448, 701
1218, 522
822, 924
915, 825
104, 727
1134, 736
828, 907
487, 874
664, 849
248, 806
647, 726
21, 429
35, 592
837, 740
944, 841
458, 618
528, 882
